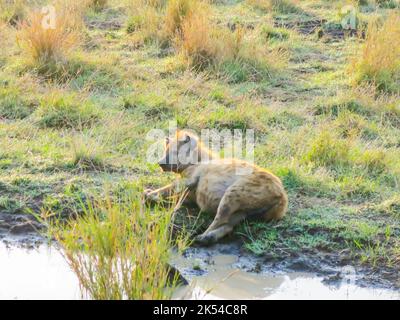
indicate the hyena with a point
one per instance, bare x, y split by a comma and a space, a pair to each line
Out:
231, 189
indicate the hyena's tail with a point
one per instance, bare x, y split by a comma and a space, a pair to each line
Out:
278, 210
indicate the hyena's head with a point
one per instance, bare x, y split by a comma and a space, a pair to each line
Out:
181, 151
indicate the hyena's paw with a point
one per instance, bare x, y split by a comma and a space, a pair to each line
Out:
151, 196
205, 239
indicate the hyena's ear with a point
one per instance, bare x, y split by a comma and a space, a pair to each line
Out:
192, 141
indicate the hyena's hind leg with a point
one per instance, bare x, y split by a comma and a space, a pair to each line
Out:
218, 233
245, 200
277, 210
227, 217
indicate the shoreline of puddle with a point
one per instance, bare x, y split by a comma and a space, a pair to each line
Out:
40, 272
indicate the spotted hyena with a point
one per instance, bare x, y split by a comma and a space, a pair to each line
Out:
231, 189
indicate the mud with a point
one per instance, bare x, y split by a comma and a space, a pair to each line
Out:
41, 272
222, 271
20, 230
331, 269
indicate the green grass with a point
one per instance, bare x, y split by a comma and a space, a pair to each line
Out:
323, 229
60, 111
14, 105
120, 249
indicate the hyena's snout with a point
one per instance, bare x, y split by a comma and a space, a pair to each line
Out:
167, 165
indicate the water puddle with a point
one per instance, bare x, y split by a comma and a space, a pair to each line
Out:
42, 273
226, 284
223, 277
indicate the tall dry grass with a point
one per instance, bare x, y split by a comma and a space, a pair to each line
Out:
176, 13
159, 20
204, 43
43, 45
378, 62
96, 4
145, 20
282, 6
197, 41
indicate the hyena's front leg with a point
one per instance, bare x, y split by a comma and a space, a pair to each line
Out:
177, 186
158, 194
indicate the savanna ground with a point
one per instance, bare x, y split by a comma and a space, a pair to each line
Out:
323, 101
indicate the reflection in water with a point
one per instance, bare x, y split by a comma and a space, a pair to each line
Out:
40, 273
242, 285
43, 274
223, 282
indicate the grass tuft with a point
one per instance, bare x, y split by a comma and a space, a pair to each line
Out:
239, 55
97, 5
120, 249
12, 11
379, 59
58, 111
46, 46
176, 13
87, 153
145, 19
14, 106
327, 150
280, 6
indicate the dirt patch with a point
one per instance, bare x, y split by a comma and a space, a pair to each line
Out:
111, 19
321, 27
20, 229
336, 33
304, 27
105, 25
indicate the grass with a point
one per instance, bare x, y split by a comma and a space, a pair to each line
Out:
280, 6
97, 5
176, 13
120, 250
13, 105
58, 111
239, 55
12, 11
87, 153
315, 230
77, 104
379, 60
327, 150
145, 21
46, 46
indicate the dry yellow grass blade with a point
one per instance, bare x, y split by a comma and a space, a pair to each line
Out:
379, 60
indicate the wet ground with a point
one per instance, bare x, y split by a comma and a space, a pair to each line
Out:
30, 269
224, 271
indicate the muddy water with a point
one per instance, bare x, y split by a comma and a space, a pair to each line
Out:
223, 278
42, 273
